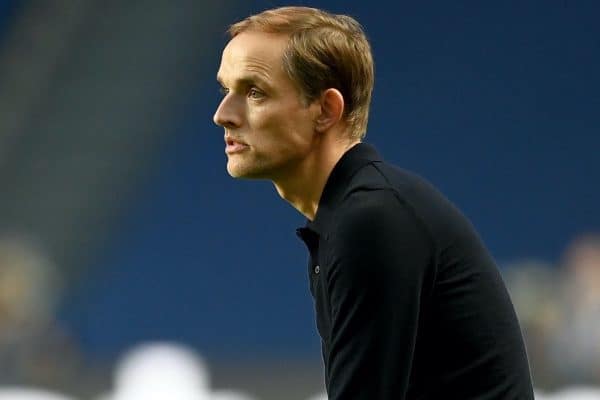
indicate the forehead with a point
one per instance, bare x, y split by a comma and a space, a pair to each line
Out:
253, 52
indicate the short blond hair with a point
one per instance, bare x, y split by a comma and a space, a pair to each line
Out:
324, 51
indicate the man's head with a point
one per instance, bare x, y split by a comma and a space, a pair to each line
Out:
324, 51
283, 72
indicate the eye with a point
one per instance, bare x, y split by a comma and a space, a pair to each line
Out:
255, 94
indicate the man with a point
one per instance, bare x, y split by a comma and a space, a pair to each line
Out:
409, 304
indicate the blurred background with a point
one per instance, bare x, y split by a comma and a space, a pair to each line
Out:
126, 251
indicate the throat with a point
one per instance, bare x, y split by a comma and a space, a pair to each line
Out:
304, 198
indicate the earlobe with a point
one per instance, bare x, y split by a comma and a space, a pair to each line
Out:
332, 109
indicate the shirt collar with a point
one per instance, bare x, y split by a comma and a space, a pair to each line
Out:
337, 184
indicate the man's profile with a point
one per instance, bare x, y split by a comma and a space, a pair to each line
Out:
409, 304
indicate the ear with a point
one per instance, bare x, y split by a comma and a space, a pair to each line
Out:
332, 109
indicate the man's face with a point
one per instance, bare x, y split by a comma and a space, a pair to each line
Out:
269, 131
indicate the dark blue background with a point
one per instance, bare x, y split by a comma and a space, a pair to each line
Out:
497, 103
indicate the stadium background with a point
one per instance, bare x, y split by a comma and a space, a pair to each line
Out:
113, 174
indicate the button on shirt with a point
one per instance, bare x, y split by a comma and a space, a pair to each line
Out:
409, 303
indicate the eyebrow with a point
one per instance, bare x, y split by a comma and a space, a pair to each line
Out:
247, 80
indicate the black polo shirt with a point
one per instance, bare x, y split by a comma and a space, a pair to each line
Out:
409, 303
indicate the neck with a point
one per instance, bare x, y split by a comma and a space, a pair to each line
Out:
304, 188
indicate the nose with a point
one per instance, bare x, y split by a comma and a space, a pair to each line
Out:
228, 113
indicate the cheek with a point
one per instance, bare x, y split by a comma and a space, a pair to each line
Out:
302, 128
280, 127
263, 119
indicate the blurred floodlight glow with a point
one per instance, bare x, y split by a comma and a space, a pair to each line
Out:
18, 393
577, 393
320, 396
156, 371
228, 395
165, 371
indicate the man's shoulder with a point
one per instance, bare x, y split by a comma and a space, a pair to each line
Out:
382, 190
384, 175
380, 183
373, 207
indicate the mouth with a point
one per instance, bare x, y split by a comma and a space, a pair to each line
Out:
234, 146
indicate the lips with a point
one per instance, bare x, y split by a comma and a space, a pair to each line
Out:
234, 145
231, 142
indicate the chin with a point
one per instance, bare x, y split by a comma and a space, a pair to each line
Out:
240, 171
236, 174
244, 171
